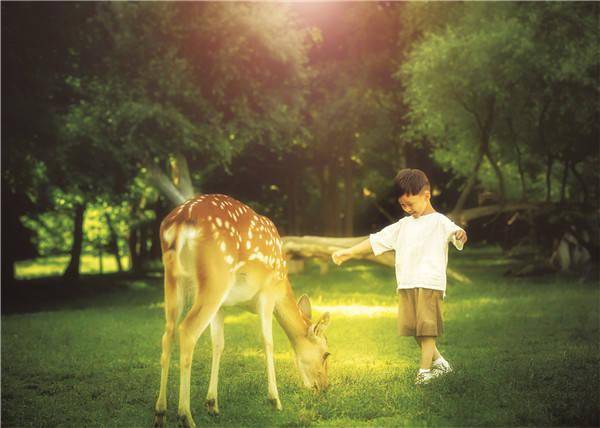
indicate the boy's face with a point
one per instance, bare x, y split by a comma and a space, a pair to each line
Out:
415, 205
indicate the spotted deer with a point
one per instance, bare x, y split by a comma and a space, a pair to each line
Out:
218, 252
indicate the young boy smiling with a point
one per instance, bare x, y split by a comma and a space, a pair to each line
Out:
420, 241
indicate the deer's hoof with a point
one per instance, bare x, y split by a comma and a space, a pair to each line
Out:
159, 419
212, 407
186, 421
276, 403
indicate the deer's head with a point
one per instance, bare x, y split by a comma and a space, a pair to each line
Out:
312, 351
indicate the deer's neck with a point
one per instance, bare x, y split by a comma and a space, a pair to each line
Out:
289, 317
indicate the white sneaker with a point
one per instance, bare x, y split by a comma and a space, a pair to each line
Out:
443, 368
423, 378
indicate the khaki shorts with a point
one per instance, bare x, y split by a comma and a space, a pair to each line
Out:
420, 312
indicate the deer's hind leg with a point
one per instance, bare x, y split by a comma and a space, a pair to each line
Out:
212, 290
218, 343
171, 313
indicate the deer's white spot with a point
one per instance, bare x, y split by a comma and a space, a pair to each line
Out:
248, 245
229, 260
223, 246
219, 221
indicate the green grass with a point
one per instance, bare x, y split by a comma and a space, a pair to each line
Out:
525, 352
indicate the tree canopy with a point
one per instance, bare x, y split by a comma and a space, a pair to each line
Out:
304, 110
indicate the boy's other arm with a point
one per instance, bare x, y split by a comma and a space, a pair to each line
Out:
461, 235
459, 239
363, 247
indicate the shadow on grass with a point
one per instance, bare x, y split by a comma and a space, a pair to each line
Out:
56, 293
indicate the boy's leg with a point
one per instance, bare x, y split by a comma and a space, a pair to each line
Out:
436, 353
428, 350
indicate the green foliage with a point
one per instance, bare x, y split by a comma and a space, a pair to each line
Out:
174, 80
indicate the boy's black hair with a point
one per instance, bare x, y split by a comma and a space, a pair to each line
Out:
410, 182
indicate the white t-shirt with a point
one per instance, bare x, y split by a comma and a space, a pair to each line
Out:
421, 246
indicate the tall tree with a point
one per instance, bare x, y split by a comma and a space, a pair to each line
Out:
495, 94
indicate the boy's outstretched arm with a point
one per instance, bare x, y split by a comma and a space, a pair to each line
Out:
363, 247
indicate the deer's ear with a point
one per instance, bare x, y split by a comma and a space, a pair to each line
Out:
322, 324
304, 305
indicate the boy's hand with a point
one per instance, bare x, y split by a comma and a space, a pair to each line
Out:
340, 256
461, 236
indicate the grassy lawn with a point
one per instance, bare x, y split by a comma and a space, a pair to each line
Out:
525, 352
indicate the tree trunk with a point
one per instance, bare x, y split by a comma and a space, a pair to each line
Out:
328, 204
10, 227
513, 137
499, 175
8, 264
524, 192
72, 271
549, 162
155, 250
581, 181
463, 217
323, 177
563, 184
462, 199
348, 195
293, 204
143, 244
334, 195
113, 242
542, 142
134, 258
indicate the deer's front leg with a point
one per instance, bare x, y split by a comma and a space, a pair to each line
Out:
265, 310
218, 343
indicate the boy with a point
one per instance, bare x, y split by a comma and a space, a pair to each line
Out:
421, 244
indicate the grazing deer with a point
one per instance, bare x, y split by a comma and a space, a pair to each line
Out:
218, 252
